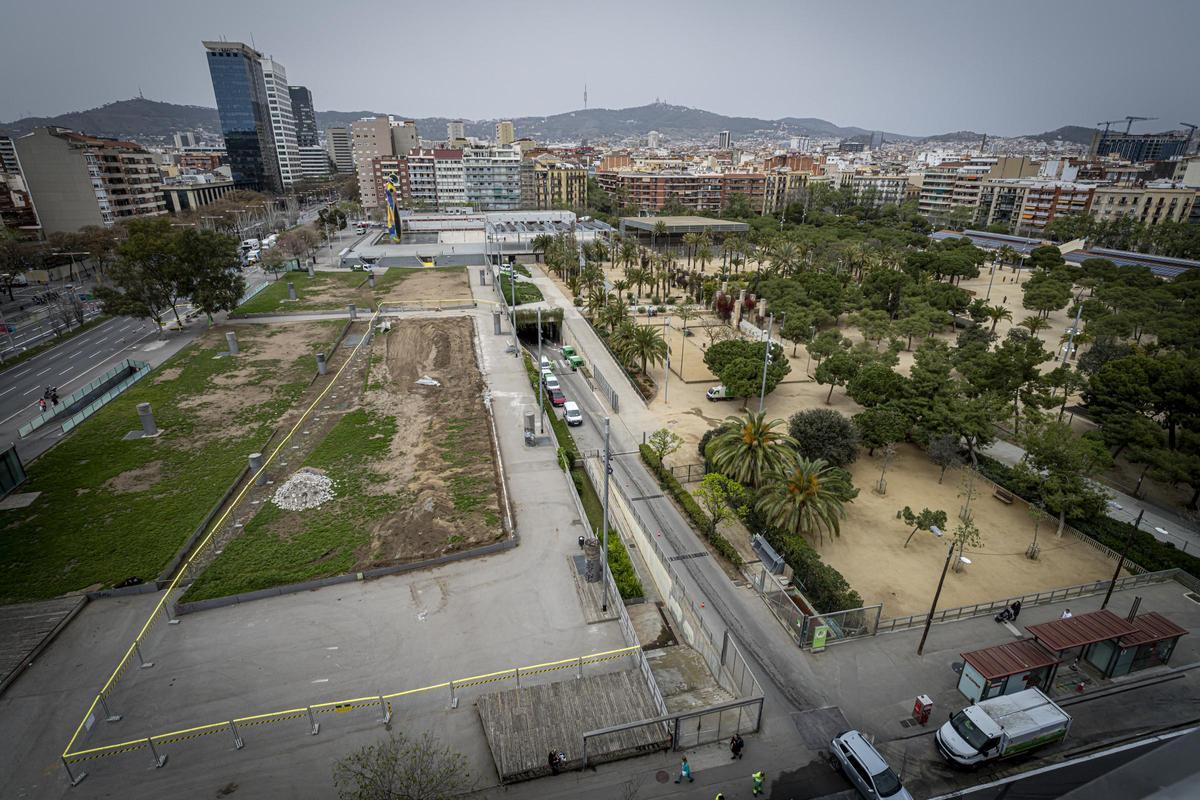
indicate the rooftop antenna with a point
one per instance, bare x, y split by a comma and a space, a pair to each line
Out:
252, 44
585, 97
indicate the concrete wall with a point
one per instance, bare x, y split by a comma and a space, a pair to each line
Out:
58, 181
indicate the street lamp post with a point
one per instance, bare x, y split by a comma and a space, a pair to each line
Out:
936, 595
1121, 562
604, 523
766, 360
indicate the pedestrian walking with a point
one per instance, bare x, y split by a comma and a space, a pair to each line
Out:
758, 782
1016, 609
553, 759
42, 404
735, 746
1066, 614
685, 771
54, 398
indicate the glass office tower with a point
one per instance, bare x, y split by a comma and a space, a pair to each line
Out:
241, 93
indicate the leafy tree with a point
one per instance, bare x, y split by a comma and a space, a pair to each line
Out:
149, 276
664, 442
837, 370
1061, 464
880, 426
825, 344
400, 768
749, 447
807, 497
965, 535
210, 261
1181, 466
721, 498
926, 520
943, 451
738, 364
825, 434
875, 384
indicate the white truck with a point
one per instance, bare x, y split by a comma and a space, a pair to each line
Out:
1001, 727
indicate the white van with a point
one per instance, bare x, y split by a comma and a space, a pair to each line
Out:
572, 414
718, 393
547, 365
549, 380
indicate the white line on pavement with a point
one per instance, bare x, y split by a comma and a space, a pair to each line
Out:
47, 369
68, 369
93, 355
18, 412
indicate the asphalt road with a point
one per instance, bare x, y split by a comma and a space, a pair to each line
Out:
68, 366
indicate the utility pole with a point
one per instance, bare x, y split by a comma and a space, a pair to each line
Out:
1121, 562
991, 278
667, 369
541, 390
1074, 328
604, 524
512, 285
936, 595
766, 360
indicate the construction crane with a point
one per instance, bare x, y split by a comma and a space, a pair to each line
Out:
1187, 145
1106, 123
1130, 120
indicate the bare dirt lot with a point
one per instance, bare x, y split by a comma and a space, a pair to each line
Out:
430, 286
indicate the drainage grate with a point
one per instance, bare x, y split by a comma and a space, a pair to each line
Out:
1195, 598
907, 723
686, 556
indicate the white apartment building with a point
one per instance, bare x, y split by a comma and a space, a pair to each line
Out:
492, 177
314, 162
449, 178
341, 151
283, 124
1152, 204
455, 131
371, 137
880, 190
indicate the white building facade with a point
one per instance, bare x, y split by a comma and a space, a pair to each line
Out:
283, 124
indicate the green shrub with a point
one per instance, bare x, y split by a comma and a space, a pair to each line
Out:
1145, 550
624, 576
698, 517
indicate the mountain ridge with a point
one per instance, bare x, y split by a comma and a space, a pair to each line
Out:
153, 120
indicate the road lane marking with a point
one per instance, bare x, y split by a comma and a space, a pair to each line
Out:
68, 369
93, 355
47, 369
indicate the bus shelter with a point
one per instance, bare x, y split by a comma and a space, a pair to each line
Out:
1087, 637
1150, 645
1005, 669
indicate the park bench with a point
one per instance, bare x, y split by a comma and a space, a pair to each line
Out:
1003, 495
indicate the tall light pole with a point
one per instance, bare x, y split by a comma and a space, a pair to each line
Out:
542, 390
604, 523
1121, 563
667, 368
1074, 329
991, 278
936, 595
762, 396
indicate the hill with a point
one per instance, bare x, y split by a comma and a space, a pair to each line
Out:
138, 119
1068, 133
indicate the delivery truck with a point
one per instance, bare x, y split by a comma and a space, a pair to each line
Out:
1001, 727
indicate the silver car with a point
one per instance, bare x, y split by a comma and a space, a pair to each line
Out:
865, 768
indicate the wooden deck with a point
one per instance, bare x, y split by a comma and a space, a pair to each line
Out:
523, 726
27, 628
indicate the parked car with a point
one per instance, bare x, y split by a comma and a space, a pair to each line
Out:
575, 361
718, 393
572, 414
547, 365
550, 380
865, 768
557, 398
1001, 727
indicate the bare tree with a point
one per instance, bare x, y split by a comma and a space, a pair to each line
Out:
399, 768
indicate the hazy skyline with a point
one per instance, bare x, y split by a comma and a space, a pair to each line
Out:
920, 67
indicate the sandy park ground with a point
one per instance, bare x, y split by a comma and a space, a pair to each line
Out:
430, 286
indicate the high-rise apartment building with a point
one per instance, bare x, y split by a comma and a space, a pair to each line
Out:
371, 138
1138, 147
77, 180
341, 150
957, 184
504, 132
283, 124
558, 184
241, 93
723, 140
455, 131
315, 162
405, 138
1028, 205
304, 115
653, 139
492, 177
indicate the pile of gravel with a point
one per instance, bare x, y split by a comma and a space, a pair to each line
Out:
306, 489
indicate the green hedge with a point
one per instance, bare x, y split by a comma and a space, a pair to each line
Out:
699, 518
1145, 550
828, 590
619, 564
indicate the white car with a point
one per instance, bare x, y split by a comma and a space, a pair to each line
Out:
549, 380
572, 414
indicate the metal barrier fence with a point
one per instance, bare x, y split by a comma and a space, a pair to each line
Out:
1028, 600
140, 368
852, 623
152, 743
251, 292
161, 609
688, 473
628, 378
104, 399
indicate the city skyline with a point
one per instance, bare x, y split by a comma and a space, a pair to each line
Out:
810, 62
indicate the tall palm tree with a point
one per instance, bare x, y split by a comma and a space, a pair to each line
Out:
660, 229
614, 314
629, 251
1034, 324
784, 257
637, 277
704, 255
995, 314
806, 497
540, 244
647, 345
749, 448
690, 240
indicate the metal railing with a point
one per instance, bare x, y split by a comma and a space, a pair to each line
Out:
251, 292
851, 623
688, 473
139, 368
1028, 600
104, 399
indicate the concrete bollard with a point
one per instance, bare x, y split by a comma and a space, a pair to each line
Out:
321, 368
353, 311
291, 291
312, 271
496, 322
147, 418
371, 279
256, 462
231, 340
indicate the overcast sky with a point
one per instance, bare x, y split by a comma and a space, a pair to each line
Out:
909, 66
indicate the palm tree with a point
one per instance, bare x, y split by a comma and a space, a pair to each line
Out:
995, 314
784, 257
807, 497
540, 244
690, 240
647, 345
1034, 324
704, 255
614, 314
629, 251
660, 229
749, 448
619, 286
637, 277
596, 303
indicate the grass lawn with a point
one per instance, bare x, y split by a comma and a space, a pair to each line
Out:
526, 292
280, 547
322, 292
111, 509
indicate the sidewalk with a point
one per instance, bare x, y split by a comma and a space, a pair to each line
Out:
1161, 523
